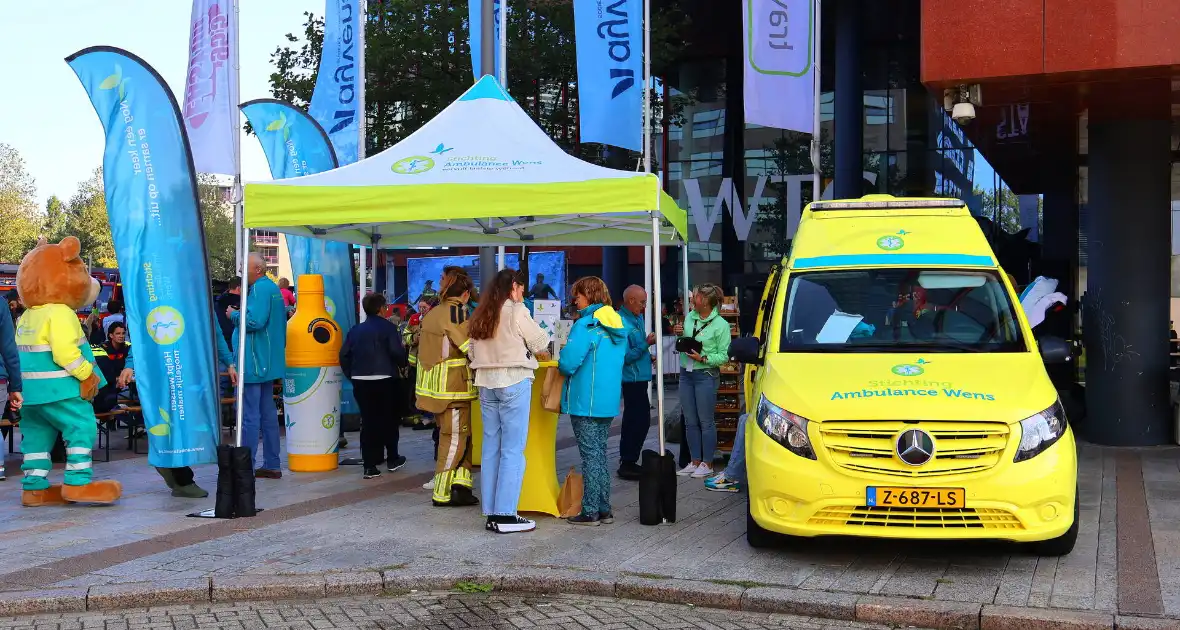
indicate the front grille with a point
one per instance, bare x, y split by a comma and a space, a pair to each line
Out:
870, 447
939, 518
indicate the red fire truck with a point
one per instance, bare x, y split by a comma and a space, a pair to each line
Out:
108, 279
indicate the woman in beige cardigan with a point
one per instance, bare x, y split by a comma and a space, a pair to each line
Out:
506, 344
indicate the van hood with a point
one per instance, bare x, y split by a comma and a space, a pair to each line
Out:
1005, 387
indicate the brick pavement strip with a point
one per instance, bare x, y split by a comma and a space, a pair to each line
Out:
431, 610
538, 581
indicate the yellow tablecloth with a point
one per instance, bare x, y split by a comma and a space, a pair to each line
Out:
540, 490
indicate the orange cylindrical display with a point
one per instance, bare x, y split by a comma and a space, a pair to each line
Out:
313, 380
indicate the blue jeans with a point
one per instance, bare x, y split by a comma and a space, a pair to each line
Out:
258, 411
505, 413
736, 470
698, 398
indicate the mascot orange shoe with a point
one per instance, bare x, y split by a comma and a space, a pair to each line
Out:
60, 374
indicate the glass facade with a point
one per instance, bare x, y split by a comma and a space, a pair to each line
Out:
911, 147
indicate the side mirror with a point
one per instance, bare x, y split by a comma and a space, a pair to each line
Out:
745, 350
1054, 350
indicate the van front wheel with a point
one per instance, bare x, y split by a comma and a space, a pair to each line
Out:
1064, 543
756, 536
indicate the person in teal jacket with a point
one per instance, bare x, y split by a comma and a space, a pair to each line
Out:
636, 380
266, 360
700, 376
180, 480
592, 362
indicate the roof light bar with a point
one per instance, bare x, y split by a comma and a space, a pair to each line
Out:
823, 206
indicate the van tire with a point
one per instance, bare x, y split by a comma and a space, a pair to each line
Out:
1064, 543
756, 536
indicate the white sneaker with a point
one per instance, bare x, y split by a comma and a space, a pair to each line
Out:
519, 524
429, 485
687, 470
702, 471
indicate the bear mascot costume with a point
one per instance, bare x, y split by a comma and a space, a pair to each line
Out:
60, 376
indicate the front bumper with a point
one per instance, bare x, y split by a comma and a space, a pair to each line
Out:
1028, 501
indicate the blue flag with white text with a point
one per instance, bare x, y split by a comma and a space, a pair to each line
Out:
295, 145
609, 42
336, 105
475, 35
159, 238
336, 101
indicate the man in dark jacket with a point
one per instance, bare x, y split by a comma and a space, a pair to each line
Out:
372, 357
232, 298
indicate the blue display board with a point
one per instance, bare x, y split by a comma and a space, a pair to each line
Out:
418, 270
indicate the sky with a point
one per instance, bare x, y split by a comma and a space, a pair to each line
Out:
50, 120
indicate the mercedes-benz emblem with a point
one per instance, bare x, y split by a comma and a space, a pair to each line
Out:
915, 447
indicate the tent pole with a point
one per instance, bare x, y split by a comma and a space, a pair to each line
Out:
360, 310
686, 304
647, 289
487, 66
659, 330
243, 303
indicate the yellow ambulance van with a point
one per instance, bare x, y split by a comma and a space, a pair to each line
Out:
895, 388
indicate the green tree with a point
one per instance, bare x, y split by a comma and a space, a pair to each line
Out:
56, 214
1005, 205
418, 60
217, 216
18, 206
86, 219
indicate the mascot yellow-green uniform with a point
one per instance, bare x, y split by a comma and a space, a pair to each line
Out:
58, 368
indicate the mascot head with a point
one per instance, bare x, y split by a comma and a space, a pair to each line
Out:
56, 274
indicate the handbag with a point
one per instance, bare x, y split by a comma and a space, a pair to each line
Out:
569, 502
689, 344
551, 390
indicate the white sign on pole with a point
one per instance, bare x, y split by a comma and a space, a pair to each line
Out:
779, 73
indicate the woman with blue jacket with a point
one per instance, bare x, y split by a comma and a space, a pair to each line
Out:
592, 362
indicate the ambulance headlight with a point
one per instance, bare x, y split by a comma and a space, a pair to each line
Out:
1040, 431
786, 428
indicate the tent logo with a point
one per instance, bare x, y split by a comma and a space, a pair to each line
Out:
413, 165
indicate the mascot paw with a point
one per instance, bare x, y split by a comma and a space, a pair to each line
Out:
90, 387
105, 491
41, 498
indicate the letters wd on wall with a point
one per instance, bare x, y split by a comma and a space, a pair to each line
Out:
609, 41
779, 72
211, 87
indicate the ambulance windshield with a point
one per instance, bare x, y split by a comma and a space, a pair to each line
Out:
900, 310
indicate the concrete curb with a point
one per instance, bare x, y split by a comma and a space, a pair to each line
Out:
898, 611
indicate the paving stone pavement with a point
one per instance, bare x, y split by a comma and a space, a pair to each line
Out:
433, 611
334, 521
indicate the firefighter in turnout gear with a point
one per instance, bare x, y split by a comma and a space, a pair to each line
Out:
445, 388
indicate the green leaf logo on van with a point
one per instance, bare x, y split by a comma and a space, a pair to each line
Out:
891, 243
908, 369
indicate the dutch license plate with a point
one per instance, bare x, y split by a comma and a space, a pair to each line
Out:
915, 497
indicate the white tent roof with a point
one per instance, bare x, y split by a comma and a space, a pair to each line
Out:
480, 173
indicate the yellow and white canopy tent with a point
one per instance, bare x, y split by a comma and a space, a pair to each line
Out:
480, 173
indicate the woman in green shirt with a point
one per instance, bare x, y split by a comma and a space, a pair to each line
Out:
700, 376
